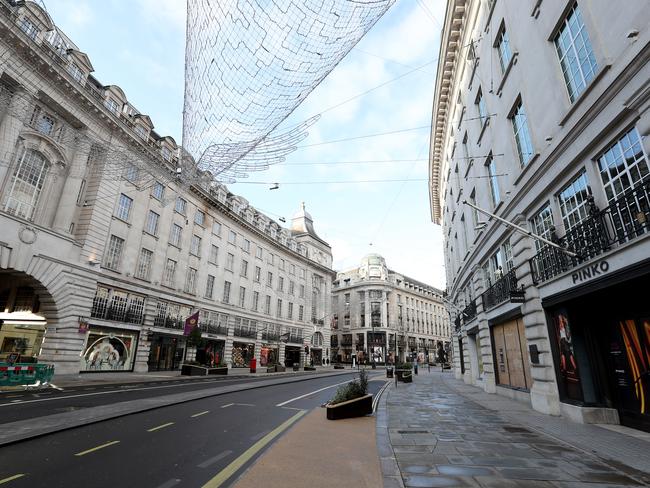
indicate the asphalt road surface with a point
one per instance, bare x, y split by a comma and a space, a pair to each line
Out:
212, 440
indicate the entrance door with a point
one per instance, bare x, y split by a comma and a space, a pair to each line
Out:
511, 354
629, 355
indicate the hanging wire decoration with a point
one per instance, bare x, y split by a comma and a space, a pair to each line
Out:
249, 64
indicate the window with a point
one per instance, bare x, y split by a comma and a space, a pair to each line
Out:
302, 291
44, 123
27, 184
132, 173
246, 245
542, 225
472, 200
216, 228
158, 190
301, 312
278, 310
280, 283
480, 106
269, 279
522, 134
28, 27
181, 205
267, 305
112, 105
494, 182
226, 292
113, 252
143, 271
290, 311
214, 254
141, 131
190, 281
258, 273
291, 287
302, 273
175, 235
209, 287
169, 274
195, 246
623, 165
242, 296
281, 265
270, 258
503, 47
258, 252
572, 200
166, 153
230, 262
232, 237
256, 300
292, 269
199, 217
244, 268
576, 56
124, 205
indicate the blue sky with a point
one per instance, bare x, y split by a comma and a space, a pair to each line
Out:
139, 45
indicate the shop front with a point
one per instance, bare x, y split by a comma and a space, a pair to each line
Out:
377, 347
166, 352
316, 355
510, 351
600, 340
291, 356
242, 353
210, 352
268, 355
108, 349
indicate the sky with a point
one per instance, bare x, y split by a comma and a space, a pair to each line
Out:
139, 45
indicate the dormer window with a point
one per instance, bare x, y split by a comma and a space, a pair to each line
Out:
76, 72
29, 28
112, 105
166, 153
141, 131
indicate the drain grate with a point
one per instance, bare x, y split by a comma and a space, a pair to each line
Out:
412, 431
513, 429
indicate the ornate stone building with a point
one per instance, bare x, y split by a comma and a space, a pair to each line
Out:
381, 315
541, 117
107, 245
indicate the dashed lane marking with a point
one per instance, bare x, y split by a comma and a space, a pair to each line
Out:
227, 405
311, 393
160, 427
200, 413
83, 453
170, 483
11, 478
225, 474
214, 459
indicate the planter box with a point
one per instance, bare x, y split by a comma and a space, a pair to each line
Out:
339, 366
309, 368
389, 372
276, 369
357, 407
196, 370
404, 375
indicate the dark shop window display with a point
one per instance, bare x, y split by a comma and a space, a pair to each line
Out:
242, 353
567, 362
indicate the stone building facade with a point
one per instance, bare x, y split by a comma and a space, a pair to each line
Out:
541, 117
111, 237
383, 316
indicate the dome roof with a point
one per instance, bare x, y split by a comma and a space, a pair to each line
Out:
302, 223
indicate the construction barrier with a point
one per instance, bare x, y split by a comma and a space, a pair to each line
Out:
25, 374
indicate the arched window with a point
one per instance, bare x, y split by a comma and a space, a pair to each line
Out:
317, 340
27, 184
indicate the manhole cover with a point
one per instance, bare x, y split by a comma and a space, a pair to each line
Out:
412, 431
513, 429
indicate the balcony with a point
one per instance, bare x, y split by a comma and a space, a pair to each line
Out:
247, 332
500, 291
622, 221
211, 328
168, 322
469, 312
270, 336
295, 338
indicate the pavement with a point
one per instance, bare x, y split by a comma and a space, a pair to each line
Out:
440, 432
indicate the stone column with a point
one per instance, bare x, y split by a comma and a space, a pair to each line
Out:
227, 349
9, 129
68, 202
544, 395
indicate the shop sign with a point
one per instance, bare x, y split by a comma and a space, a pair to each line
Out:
517, 296
589, 272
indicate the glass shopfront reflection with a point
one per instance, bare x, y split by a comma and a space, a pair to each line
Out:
242, 353
109, 350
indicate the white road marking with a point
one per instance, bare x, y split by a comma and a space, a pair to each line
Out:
200, 413
214, 459
227, 405
170, 483
311, 393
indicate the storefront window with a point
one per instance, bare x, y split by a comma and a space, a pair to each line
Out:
109, 350
242, 353
210, 353
567, 364
268, 356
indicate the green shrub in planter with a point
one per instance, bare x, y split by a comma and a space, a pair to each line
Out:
352, 390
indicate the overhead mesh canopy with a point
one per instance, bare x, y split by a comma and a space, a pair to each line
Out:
250, 63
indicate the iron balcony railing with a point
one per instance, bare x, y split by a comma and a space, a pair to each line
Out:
168, 322
622, 221
500, 291
270, 336
243, 331
295, 338
469, 312
213, 328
